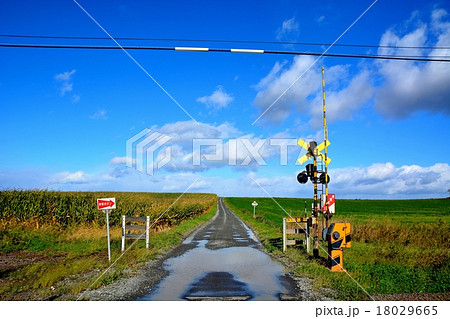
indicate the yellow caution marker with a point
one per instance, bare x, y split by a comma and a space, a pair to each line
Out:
313, 152
303, 144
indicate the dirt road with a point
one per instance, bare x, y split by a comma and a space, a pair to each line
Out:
221, 260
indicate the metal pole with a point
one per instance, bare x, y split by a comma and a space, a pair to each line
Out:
147, 232
325, 137
316, 213
284, 234
123, 232
107, 232
254, 211
308, 239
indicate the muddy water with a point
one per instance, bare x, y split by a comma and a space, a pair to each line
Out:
223, 262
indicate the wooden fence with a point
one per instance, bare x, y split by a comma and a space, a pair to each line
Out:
135, 224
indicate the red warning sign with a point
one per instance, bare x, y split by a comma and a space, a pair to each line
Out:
331, 203
106, 203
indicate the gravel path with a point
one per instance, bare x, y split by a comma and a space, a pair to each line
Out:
212, 278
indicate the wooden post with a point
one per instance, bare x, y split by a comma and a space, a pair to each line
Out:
123, 233
147, 231
284, 234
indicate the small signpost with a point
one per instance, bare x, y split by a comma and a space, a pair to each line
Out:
107, 204
254, 204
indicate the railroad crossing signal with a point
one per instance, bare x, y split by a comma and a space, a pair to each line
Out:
313, 150
338, 235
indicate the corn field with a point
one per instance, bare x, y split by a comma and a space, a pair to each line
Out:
66, 209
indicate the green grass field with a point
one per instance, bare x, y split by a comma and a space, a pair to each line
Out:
398, 246
54, 243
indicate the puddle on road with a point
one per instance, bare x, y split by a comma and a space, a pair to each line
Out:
234, 271
217, 283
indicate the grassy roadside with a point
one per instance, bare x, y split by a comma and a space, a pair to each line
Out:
45, 263
397, 246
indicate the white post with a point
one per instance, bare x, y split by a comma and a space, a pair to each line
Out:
107, 232
284, 234
147, 232
254, 210
123, 233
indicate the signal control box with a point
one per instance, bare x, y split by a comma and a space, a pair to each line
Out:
338, 236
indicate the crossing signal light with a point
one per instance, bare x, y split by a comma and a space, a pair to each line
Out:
324, 178
302, 178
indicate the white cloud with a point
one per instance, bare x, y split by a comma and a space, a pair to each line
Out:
99, 115
278, 80
65, 81
244, 151
183, 132
382, 180
75, 98
272, 76
288, 28
380, 171
78, 177
409, 87
345, 94
398, 88
342, 103
65, 87
118, 161
182, 135
217, 100
65, 76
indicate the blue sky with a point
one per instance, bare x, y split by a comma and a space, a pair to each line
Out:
66, 115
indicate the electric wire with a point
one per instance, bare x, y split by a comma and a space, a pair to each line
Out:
144, 48
221, 41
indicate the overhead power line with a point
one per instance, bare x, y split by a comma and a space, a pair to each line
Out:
195, 49
221, 41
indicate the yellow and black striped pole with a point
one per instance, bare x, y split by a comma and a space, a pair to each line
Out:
315, 210
325, 137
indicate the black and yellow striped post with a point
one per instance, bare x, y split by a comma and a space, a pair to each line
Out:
327, 214
315, 210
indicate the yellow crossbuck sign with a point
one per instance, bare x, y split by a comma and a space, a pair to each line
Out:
313, 150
